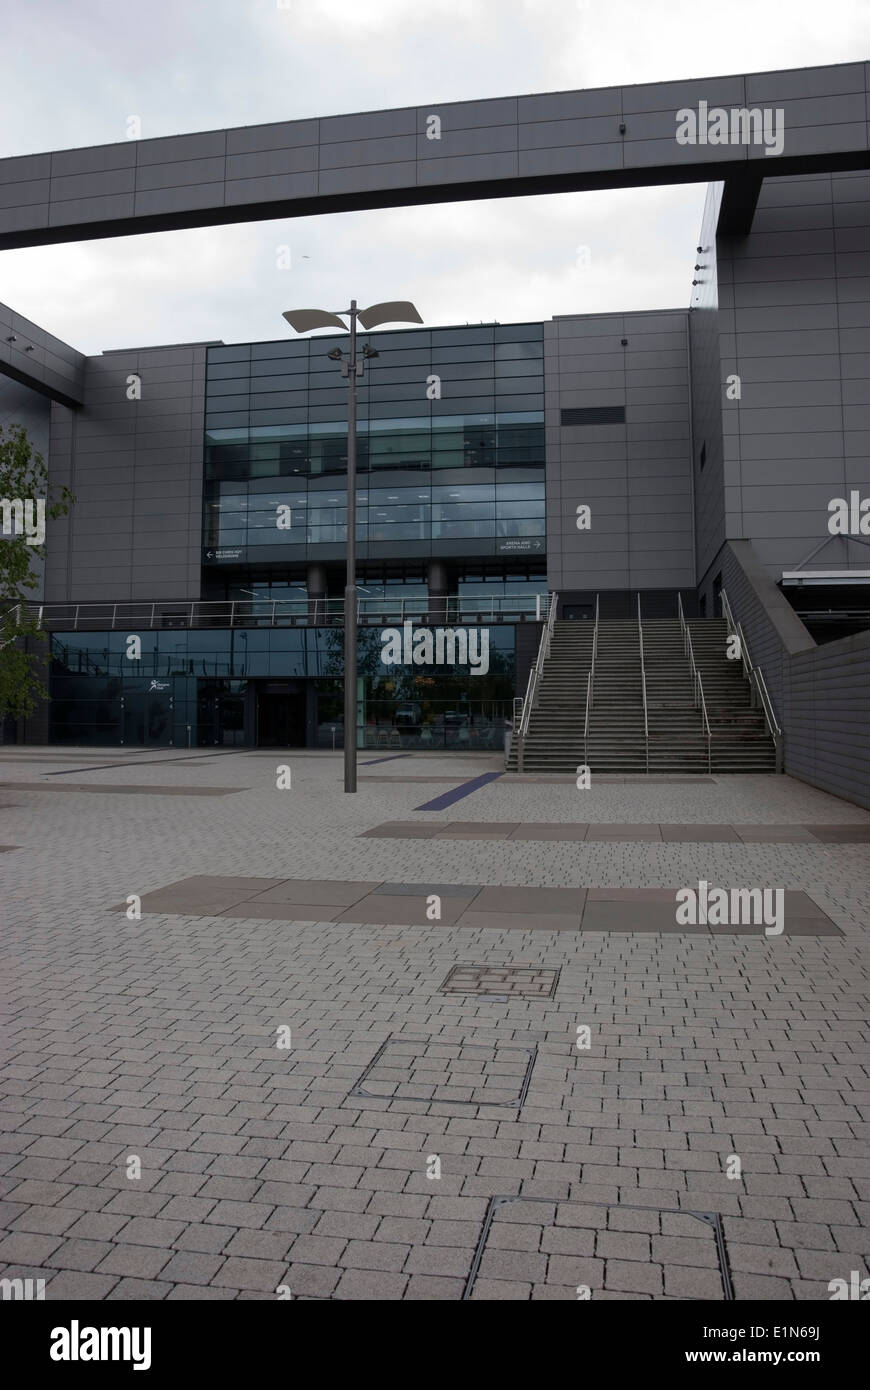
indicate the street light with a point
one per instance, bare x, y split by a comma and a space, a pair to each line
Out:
303, 321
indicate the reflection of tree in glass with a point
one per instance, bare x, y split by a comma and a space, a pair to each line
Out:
368, 652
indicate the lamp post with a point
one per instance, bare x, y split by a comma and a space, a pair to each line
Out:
303, 321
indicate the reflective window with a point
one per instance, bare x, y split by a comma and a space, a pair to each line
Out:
296, 429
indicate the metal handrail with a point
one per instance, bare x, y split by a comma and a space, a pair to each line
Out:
754, 675
590, 683
697, 684
704, 713
643, 682
272, 612
16, 609
537, 669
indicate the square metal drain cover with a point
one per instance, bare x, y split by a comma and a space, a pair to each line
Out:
437, 1070
504, 981
542, 1248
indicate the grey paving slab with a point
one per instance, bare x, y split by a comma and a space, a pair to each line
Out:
623, 832
549, 831
412, 909
444, 890
695, 834
546, 901
308, 890
635, 916
468, 830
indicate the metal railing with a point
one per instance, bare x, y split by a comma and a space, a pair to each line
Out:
643, 683
590, 686
697, 683
755, 677
534, 678
13, 615
302, 612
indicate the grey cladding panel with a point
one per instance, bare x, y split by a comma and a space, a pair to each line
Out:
554, 142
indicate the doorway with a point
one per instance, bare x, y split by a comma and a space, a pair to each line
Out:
280, 719
146, 715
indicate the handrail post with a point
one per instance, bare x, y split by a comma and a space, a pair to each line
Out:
643, 681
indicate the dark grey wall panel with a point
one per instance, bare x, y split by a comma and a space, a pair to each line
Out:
135, 468
829, 718
791, 316
635, 476
38, 360
507, 146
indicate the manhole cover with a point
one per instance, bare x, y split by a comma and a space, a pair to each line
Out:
538, 1247
438, 1070
503, 981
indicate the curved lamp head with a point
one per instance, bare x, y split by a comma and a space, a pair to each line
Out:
303, 320
394, 311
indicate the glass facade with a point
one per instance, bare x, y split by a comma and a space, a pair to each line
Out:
203, 687
276, 433
245, 514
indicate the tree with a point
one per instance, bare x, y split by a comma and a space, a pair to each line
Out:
25, 494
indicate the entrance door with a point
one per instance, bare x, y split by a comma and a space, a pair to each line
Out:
578, 610
147, 716
280, 720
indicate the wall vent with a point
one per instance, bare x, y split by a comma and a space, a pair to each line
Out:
594, 415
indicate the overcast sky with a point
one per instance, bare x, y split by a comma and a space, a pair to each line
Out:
75, 71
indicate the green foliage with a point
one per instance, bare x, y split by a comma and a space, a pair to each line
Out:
24, 475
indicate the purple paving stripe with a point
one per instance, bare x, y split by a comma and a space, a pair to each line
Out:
391, 759
440, 803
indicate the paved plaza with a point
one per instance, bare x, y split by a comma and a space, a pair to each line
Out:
442, 1039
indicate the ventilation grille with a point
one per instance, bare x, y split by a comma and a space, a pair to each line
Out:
595, 415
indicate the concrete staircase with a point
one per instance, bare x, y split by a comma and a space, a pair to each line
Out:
739, 737
555, 737
677, 737
616, 734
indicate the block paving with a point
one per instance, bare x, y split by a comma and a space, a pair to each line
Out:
157, 1039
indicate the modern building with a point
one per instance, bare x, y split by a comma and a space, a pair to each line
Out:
721, 451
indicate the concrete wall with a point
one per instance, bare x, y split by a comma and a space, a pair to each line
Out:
773, 630
636, 476
821, 694
794, 311
135, 468
829, 718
